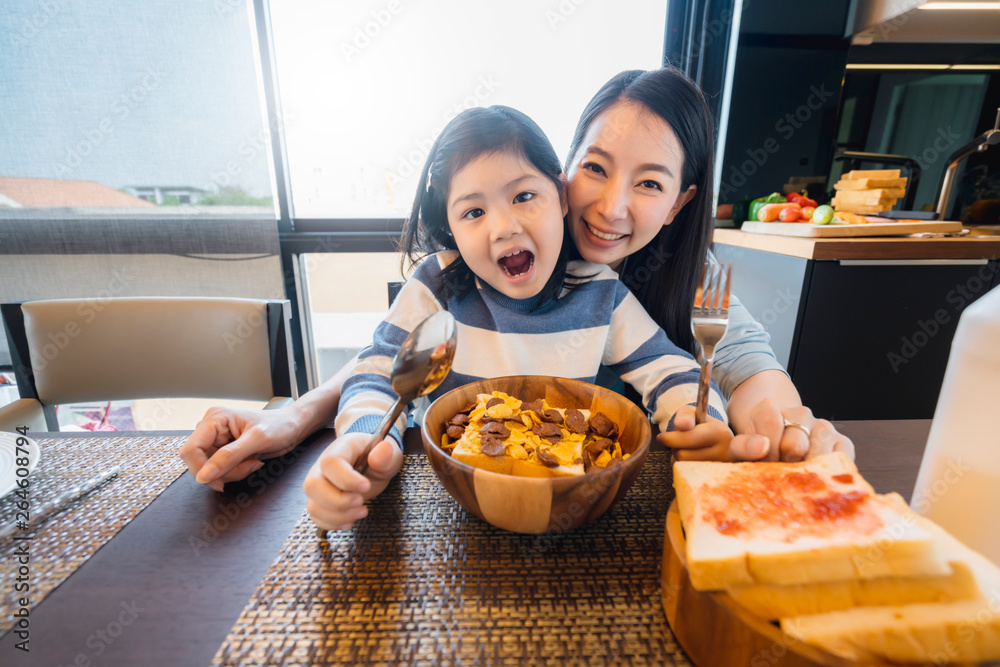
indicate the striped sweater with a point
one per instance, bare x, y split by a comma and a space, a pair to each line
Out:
599, 323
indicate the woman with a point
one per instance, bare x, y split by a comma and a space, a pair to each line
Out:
640, 186
640, 189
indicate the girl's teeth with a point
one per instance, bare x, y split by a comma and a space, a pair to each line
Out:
602, 235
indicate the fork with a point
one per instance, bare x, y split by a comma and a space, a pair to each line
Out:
709, 321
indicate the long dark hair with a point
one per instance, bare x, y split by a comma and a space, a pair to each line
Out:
470, 134
663, 275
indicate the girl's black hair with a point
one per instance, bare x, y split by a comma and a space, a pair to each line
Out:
664, 274
471, 134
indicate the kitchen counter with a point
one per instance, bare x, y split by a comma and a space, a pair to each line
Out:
877, 247
862, 325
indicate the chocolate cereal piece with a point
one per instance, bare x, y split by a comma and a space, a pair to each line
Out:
551, 416
547, 459
575, 421
598, 446
460, 419
601, 425
549, 431
497, 428
491, 445
455, 432
534, 406
468, 408
496, 400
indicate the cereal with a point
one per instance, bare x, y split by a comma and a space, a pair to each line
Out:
505, 435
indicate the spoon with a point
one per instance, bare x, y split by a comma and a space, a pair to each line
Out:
422, 363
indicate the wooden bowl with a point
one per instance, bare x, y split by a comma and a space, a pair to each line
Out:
536, 505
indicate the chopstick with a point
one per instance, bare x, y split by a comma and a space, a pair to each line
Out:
62, 501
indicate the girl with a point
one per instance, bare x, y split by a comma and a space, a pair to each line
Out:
491, 207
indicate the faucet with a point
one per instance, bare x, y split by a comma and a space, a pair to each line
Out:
977, 145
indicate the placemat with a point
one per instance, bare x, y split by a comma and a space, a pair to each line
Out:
66, 540
420, 581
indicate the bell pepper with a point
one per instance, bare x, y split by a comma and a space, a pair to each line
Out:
802, 200
757, 204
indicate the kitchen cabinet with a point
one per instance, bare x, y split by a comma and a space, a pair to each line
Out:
863, 325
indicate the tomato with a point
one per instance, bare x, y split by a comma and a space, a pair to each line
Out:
770, 212
790, 214
807, 212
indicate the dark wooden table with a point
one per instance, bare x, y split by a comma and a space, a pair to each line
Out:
191, 590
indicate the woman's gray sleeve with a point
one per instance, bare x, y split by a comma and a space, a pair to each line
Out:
745, 350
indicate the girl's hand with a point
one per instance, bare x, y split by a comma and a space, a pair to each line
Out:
767, 425
697, 442
228, 443
336, 492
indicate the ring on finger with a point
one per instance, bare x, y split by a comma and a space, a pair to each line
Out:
790, 424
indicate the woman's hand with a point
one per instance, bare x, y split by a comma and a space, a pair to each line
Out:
336, 492
697, 442
228, 443
769, 439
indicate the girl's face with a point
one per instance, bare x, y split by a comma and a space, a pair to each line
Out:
624, 183
507, 220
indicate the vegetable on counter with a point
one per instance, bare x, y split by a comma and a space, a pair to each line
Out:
823, 215
772, 212
790, 214
757, 204
802, 200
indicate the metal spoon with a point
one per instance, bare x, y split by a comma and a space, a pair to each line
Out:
422, 363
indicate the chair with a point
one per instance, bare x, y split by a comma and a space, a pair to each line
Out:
77, 350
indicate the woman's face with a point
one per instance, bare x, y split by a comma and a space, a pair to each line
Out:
624, 183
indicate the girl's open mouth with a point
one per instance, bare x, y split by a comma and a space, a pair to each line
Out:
517, 263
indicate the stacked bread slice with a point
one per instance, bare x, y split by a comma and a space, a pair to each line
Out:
843, 568
868, 192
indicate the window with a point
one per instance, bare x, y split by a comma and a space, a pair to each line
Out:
367, 86
131, 106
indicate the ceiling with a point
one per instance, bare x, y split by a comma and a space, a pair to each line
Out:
935, 26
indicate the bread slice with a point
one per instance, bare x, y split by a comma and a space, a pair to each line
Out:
869, 196
861, 209
947, 632
774, 602
870, 183
871, 173
794, 523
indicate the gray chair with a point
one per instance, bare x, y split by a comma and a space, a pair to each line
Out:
81, 350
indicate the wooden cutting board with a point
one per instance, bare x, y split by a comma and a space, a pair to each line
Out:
875, 228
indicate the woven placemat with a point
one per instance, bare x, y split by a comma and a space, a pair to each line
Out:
65, 541
420, 581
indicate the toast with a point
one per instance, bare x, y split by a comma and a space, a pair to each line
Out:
774, 602
520, 447
871, 184
857, 174
870, 197
953, 631
795, 523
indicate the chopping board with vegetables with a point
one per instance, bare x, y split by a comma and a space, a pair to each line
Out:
797, 215
874, 226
